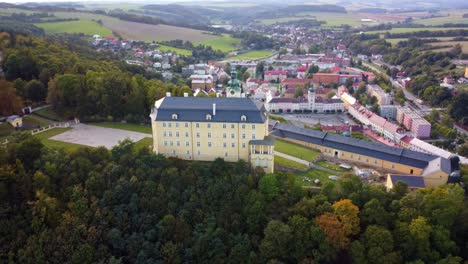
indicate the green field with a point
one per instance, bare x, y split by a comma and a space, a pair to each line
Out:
44, 137
407, 30
48, 113
129, 127
33, 122
315, 174
144, 143
225, 43
252, 55
140, 31
331, 166
448, 16
296, 150
183, 52
330, 19
280, 161
80, 26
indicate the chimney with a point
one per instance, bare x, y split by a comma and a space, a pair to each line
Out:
168, 94
214, 109
185, 94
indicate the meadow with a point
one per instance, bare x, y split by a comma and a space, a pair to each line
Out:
80, 26
407, 30
296, 150
451, 16
140, 31
224, 43
183, 52
251, 55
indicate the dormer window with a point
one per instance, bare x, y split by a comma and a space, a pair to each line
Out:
175, 116
208, 117
243, 118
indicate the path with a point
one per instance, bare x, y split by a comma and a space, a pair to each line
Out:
39, 108
289, 157
95, 136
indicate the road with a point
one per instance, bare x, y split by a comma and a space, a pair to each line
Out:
421, 109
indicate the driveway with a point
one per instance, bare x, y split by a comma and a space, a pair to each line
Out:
95, 136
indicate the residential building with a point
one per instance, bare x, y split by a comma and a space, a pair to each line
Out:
201, 128
275, 75
383, 98
202, 81
419, 126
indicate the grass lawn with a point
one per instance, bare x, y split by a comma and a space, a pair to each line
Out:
6, 129
314, 174
33, 122
48, 113
80, 26
252, 55
44, 137
225, 43
280, 161
129, 127
295, 150
331, 166
183, 52
144, 143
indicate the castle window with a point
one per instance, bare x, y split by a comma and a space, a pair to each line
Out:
224, 135
225, 154
253, 136
233, 136
164, 124
209, 144
209, 135
224, 126
411, 171
243, 136
243, 145
186, 124
393, 166
187, 143
178, 143
172, 143
177, 134
197, 125
243, 126
170, 134
233, 145
243, 118
198, 144
165, 143
224, 145
208, 125
232, 126
253, 126
176, 124
164, 134
169, 124
186, 134
208, 117
198, 134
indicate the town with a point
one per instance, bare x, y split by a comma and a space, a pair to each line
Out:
239, 132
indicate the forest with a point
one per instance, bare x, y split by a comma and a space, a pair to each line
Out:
129, 205
76, 80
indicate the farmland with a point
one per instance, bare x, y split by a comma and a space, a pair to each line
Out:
407, 30
464, 45
80, 26
452, 16
252, 55
183, 52
225, 43
140, 31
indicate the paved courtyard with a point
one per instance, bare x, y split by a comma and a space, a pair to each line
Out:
95, 136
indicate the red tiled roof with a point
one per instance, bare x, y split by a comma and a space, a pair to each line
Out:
406, 139
276, 72
295, 81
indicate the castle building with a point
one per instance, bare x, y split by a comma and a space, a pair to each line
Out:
203, 128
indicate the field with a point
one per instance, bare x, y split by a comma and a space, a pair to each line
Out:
464, 45
140, 31
183, 52
280, 161
451, 16
44, 137
407, 30
48, 113
80, 26
252, 55
225, 43
129, 127
296, 150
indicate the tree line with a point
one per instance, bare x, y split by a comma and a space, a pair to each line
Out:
129, 205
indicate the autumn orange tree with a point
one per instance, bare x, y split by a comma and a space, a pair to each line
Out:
339, 225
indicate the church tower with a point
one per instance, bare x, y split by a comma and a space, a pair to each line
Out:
311, 97
234, 89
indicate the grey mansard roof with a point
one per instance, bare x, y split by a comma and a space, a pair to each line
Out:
366, 148
195, 109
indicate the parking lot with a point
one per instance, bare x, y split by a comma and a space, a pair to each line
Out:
95, 136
